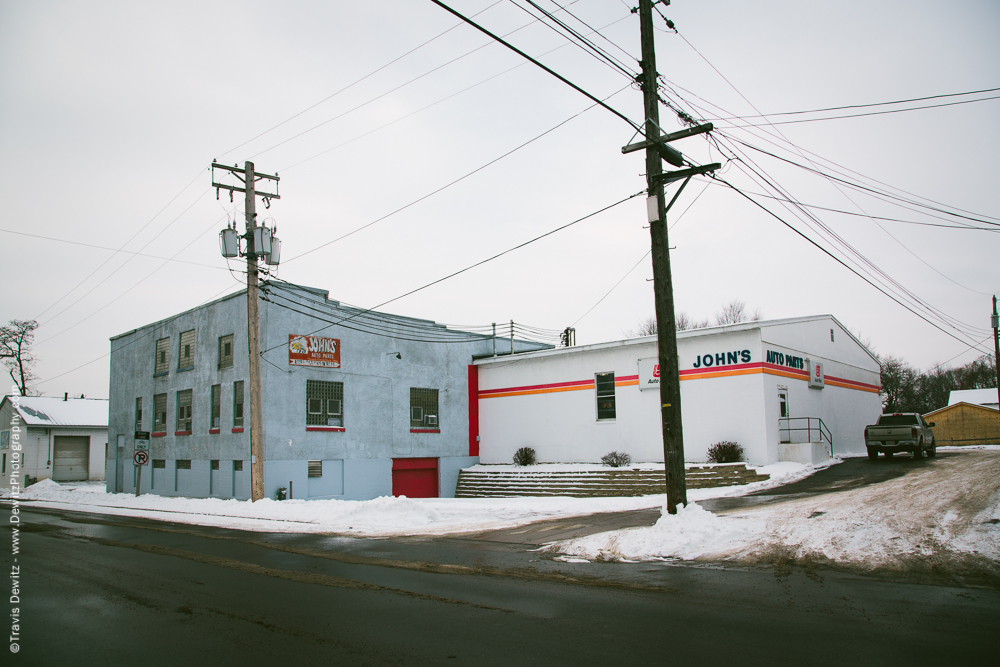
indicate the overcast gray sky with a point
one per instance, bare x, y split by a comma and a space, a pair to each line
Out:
111, 112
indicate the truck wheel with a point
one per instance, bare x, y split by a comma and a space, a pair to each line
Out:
932, 452
872, 453
918, 452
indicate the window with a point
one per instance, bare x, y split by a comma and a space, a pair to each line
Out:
162, 366
183, 464
831, 336
226, 351
184, 411
159, 463
315, 469
138, 414
160, 413
324, 403
186, 355
605, 395
238, 404
237, 466
215, 464
423, 408
216, 405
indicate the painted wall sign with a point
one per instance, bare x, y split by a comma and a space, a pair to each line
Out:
782, 359
816, 374
649, 373
313, 351
722, 359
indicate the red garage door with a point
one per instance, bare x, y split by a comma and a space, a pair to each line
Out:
415, 478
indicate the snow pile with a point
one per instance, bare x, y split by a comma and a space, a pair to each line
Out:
385, 516
949, 510
690, 534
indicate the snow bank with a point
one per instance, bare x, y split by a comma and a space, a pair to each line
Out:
385, 516
949, 509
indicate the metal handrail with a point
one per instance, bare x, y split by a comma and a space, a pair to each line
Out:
820, 429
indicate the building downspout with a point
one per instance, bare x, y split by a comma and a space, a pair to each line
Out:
48, 463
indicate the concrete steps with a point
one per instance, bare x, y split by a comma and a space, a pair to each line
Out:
508, 483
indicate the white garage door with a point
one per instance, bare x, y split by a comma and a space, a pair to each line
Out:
70, 458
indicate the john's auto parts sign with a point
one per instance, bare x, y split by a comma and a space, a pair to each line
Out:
313, 351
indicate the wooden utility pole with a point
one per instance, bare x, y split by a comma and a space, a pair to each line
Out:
996, 343
249, 178
666, 328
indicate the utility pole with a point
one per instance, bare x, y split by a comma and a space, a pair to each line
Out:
670, 386
258, 243
996, 344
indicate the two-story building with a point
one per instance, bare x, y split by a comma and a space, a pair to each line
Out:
356, 404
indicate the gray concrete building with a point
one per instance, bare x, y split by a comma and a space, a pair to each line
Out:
356, 404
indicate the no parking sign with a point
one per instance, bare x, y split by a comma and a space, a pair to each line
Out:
141, 457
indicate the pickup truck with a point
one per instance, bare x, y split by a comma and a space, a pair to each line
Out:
900, 432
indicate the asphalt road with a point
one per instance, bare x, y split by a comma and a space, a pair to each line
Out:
99, 590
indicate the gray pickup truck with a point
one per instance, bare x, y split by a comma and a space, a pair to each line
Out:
900, 432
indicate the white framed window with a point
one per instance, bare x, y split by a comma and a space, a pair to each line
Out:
605, 384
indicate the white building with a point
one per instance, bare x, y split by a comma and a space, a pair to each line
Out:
786, 390
64, 439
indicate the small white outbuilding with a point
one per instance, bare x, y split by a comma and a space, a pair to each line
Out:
799, 389
45, 437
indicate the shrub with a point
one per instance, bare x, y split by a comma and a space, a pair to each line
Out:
616, 459
524, 457
725, 452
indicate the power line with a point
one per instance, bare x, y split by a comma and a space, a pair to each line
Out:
868, 113
356, 82
864, 106
521, 53
447, 185
480, 263
840, 261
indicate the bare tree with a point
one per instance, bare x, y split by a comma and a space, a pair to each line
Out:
735, 312
15, 351
685, 322
645, 327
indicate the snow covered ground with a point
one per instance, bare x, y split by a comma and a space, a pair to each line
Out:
381, 517
946, 515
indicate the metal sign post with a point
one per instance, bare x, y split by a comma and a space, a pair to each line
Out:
141, 457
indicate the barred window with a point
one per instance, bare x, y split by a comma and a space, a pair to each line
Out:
184, 410
605, 395
183, 464
324, 403
215, 464
186, 355
162, 361
315, 469
216, 405
238, 466
159, 463
138, 414
160, 413
423, 408
238, 405
226, 351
